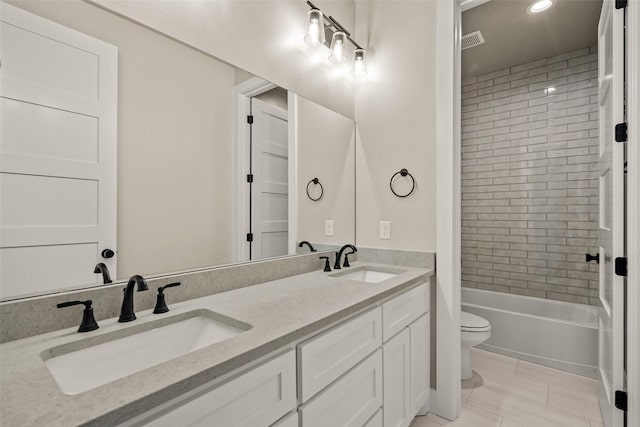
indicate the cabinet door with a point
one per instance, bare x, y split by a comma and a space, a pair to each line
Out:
399, 312
419, 363
257, 398
290, 420
351, 400
397, 380
324, 358
376, 420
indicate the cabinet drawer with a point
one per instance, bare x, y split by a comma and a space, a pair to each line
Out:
351, 400
257, 398
404, 309
376, 420
324, 358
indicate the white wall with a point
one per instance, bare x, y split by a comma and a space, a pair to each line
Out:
169, 173
276, 96
263, 37
325, 151
395, 118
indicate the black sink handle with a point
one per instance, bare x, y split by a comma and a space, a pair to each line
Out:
88, 321
161, 304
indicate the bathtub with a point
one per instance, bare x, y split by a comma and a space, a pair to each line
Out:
557, 334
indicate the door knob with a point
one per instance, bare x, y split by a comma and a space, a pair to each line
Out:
595, 258
107, 253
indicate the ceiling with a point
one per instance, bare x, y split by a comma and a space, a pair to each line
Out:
513, 37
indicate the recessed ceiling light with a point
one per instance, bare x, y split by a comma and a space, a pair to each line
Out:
539, 6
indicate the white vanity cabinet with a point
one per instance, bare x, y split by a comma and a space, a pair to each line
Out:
257, 398
406, 356
395, 376
371, 370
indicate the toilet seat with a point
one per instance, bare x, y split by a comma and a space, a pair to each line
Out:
471, 323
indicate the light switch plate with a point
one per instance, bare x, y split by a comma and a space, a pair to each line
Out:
328, 227
385, 230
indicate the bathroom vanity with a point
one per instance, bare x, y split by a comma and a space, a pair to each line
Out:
314, 349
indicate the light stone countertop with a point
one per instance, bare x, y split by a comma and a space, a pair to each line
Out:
281, 312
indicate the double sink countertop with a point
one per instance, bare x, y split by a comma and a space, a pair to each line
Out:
280, 312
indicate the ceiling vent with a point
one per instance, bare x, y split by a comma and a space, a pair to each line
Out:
472, 40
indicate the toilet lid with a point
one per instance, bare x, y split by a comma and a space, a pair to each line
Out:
473, 323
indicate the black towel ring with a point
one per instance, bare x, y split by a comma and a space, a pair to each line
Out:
402, 172
317, 182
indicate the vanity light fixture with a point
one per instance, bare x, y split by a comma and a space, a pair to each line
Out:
539, 6
319, 24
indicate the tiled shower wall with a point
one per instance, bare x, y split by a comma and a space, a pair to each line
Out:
530, 180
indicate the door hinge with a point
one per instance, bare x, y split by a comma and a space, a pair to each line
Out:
621, 266
249, 237
621, 400
621, 132
621, 4
250, 177
250, 119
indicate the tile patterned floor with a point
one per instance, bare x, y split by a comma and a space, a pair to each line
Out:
507, 392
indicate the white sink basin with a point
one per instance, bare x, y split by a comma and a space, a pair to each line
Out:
367, 274
87, 364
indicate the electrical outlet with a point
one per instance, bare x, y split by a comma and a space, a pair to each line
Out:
385, 230
328, 227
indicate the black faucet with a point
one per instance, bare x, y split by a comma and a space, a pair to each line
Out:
336, 266
304, 242
102, 268
126, 313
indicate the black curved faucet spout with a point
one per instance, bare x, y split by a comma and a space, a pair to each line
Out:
126, 313
336, 266
305, 243
102, 268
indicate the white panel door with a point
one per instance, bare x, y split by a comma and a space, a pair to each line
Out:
611, 212
270, 188
58, 108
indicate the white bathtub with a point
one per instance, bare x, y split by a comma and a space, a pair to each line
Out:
558, 334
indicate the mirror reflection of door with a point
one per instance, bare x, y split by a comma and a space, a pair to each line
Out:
269, 168
58, 155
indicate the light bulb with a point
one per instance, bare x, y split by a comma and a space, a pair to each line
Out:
315, 30
359, 64
337, 47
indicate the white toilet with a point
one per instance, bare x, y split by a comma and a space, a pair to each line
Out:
474, 330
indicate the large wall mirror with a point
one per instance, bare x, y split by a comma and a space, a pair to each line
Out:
185, 156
